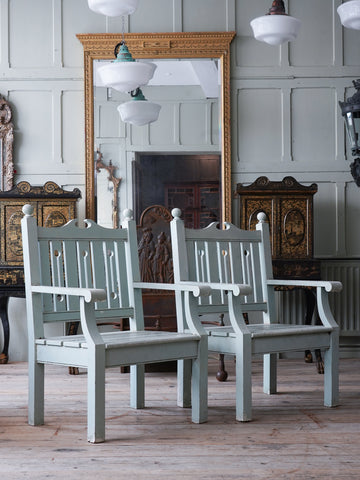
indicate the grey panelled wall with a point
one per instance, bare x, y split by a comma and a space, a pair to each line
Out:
285, 118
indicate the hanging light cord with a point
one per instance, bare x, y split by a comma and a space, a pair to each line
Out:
116, 49
123, 28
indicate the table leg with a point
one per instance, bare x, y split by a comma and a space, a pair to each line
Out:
6, 328
221, 374
310, 307
72, 329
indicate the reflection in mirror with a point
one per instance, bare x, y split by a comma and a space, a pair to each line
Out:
189, 93
189, 182
188, 146
106, 193
6, 146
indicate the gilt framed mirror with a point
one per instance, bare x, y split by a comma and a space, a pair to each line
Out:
158, 47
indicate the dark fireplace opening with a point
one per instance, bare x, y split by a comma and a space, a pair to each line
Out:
190, 182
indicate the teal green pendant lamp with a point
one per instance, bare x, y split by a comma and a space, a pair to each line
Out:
124, 73
139, 111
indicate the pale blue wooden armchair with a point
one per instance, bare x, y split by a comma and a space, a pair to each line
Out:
218, 257
92, 275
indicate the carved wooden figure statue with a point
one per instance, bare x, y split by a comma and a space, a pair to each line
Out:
146, 250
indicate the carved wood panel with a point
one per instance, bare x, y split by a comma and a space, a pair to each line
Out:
155, 259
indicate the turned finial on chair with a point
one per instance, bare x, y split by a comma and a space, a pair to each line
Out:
128, 214
28, 210
176, 213
261, 216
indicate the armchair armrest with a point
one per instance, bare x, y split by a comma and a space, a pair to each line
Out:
323, 288
195, 288
237, 289
329, 286
198, 288
87, 315
89, 294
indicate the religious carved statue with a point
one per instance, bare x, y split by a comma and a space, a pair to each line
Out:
162, 258
154, 246
146, 250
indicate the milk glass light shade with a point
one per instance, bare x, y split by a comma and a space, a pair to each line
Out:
139, 111
124, 74
275, 29
126, 77
349, 14
113, 8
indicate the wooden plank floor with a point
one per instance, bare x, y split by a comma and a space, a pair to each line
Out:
292, 436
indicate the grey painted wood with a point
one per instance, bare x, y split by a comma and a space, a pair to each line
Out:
228, 255
89, 275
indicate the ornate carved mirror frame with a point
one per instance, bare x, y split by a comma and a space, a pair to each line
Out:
6, 149
156, 46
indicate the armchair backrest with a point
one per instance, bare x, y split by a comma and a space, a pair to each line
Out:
228, 255
72, 257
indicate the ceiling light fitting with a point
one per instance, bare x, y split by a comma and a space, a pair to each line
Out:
113, 8
349, 14
139, 111
124, 73
276, 27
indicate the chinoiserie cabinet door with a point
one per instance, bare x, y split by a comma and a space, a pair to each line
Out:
252, 205
295, 232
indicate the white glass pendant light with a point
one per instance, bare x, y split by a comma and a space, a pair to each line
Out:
139, 111
276, 27
349, 14
113, 8
124, 73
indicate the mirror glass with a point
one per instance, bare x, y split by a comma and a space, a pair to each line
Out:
182, 159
